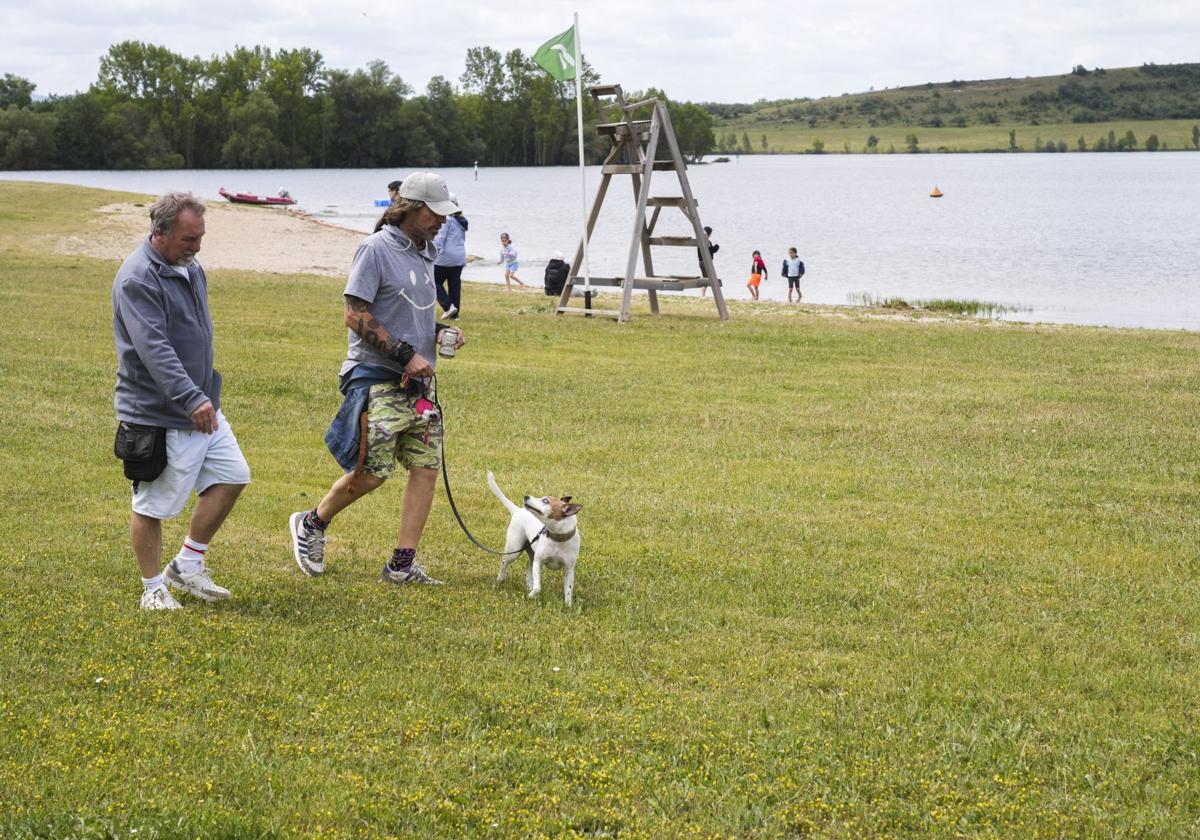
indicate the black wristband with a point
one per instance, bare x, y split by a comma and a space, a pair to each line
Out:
402, 352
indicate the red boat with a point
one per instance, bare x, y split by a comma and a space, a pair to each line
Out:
281, 200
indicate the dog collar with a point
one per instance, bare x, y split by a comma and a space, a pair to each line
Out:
558, 538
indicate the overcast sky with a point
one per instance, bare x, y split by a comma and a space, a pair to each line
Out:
695, 50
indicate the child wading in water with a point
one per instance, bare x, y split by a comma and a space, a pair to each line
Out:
758, 273
793, 270
508, 256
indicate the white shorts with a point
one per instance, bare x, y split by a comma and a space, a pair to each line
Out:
195, 461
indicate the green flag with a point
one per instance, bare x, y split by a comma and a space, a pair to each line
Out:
557, 56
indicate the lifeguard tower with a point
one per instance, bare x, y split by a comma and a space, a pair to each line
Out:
635, 148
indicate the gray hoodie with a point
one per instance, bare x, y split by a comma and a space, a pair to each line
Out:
164, 338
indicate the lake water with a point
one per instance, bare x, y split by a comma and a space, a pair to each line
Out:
1077, 238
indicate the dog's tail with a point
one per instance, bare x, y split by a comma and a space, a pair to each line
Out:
499, 494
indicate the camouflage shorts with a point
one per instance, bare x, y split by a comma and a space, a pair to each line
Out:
396, 434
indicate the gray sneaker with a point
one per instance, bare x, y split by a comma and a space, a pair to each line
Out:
198, 583
413, 574
308, 545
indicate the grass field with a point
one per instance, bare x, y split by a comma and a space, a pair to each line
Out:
841, 576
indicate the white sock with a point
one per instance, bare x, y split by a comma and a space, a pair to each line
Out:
191, 556
152, 583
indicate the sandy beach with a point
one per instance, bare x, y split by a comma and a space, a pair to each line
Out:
280, 241
248, 238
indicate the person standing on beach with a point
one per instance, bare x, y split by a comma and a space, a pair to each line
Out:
393, 194
451, 244
508, 257
171, 432
793, 270
712, 251
758, 273
388, 417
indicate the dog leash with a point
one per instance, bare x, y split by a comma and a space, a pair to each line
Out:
450, 494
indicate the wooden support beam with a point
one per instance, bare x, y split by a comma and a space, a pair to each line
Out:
650, 228
668, 201
623, 169
622, 128
636, 168
598, 281
639, 223
664, 283
681, 241
603, 313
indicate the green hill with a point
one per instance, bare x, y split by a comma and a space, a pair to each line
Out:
1159, 100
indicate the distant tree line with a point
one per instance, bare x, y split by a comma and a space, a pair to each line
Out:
1110, 143
151, 108
1149, 92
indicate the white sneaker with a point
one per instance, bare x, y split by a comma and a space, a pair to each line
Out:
452, 311
198, 583
159, 598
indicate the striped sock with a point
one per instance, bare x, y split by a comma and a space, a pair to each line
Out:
191, 557
402, 558
152, 583
315, 523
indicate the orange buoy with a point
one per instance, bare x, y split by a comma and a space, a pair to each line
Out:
936, 193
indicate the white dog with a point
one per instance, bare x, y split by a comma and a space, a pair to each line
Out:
545, 529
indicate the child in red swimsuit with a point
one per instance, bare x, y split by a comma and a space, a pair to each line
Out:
758, 273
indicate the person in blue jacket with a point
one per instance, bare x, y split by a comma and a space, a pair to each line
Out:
451, 242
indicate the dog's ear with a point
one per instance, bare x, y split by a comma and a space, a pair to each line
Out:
571, 510
565, 499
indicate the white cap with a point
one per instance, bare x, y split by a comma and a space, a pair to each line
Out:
558, 255
430, 189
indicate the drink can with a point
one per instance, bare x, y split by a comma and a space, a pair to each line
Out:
446, 346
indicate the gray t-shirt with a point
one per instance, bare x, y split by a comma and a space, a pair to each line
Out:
396, 279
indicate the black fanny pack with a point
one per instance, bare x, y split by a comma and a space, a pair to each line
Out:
143, 449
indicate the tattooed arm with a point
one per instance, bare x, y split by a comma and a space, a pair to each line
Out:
360, 321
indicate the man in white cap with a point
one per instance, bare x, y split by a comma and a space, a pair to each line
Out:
388, 417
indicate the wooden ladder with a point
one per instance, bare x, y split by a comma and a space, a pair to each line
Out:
634, 149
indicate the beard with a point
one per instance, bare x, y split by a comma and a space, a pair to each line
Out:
185, 260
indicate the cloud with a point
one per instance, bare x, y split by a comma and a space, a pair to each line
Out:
704, 50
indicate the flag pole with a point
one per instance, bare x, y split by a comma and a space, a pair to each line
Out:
587, 271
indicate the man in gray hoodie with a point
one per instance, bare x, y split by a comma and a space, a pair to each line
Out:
168, 391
